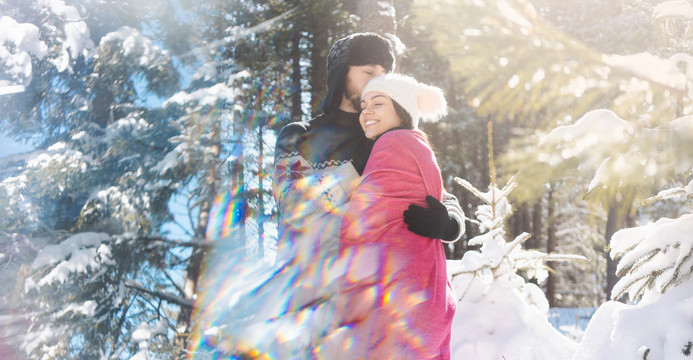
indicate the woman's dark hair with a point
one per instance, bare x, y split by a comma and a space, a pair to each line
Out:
407, 122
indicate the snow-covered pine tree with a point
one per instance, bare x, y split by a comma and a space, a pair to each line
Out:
499, 314
655, 262
544, 88
85, 208
497, 307
656, 257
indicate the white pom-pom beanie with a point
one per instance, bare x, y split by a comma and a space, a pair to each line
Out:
423, 102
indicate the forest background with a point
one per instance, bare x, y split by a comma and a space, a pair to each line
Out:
140, 114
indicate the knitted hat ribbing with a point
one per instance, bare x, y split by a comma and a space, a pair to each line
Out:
354, 50
423, 102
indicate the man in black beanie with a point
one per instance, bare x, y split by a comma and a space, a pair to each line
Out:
318, 163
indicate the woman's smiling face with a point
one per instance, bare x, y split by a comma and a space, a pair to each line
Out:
378, 114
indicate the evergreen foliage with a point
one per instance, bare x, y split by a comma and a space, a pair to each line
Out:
655, 257
488, 279
537, 78
131, 108
141, 114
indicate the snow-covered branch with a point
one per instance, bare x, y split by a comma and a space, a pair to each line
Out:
188, 303
199, 243
487, 282
653, 258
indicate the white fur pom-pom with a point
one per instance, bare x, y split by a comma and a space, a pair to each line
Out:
431, 103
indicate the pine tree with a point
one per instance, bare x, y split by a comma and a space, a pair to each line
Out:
486, 281
525, 72
91, 199
656, 257
655, 262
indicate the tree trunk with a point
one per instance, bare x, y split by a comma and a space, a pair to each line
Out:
614, 222
318, 72
261, 197
376, 16
194, 267
537, 226
514, 223
521, 222
551, 242
296, 110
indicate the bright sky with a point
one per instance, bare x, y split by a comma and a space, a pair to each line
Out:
10, 146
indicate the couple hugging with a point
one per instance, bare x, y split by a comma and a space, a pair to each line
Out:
360, 183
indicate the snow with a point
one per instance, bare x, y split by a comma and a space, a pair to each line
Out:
678, 133
654, 68
592, 140
513, 81
42, 336
597, 129
87, 308
620, 331
51, 254
669, 9
77, 37
609, 166
59, 8
121, 201
654, 248
172, 159
24, 36
77, 40
144, 332
206, 72
618, 151
14, 186
76, 254
11, 89
499, 315
654, 260
134, 44
127, 127
386, 9
501, 320
74, 41
673, 192
205, 96
16, 63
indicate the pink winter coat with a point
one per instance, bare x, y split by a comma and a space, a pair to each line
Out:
396, 297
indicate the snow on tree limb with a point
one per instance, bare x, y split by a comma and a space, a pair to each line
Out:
653, 257
496, 255
487, 282
77, 254
188, 303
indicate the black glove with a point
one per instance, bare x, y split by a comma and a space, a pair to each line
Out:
434, 223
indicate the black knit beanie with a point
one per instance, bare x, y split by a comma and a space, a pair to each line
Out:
354, 50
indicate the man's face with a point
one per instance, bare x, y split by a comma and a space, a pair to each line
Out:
356, 80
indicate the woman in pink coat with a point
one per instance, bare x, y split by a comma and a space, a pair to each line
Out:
396, 298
